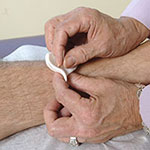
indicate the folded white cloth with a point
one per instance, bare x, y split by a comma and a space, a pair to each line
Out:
37, 138
27, 52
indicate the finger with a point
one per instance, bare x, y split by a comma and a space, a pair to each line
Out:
49, 35
66, 127
67, 97
63, 127
65, 30
50, 27
79, 55
64, 112
83, 83
51, 112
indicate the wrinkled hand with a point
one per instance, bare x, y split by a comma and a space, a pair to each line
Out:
88, 33
111, 110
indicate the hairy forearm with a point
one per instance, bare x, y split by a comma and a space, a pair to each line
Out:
25, 87
132, 67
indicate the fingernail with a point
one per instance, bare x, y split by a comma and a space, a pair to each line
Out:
69, 62
58, 63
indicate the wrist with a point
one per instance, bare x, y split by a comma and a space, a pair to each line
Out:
135, 31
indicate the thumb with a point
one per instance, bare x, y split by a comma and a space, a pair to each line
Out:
79, 55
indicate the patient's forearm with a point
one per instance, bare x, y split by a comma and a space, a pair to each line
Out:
25, 88
133, 67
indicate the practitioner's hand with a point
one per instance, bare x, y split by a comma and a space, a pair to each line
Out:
111, 110
89, 33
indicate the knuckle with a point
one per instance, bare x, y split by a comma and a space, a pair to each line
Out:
83, 54
84, 13
90, 15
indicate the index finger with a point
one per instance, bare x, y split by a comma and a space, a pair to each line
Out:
66, 29
51, 112
50, 27
67, 97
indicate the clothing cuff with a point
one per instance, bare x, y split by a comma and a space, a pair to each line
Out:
139, 10
145, 106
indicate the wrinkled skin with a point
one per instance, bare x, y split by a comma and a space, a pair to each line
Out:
88, 33
113, 107
111, 110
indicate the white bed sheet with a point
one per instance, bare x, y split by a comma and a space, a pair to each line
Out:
37, 138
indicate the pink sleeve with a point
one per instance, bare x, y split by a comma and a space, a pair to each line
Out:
145, 105
139, 10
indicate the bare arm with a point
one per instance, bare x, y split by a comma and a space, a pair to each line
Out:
25, 87
132, 67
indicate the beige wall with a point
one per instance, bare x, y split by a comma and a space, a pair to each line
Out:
19, 18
